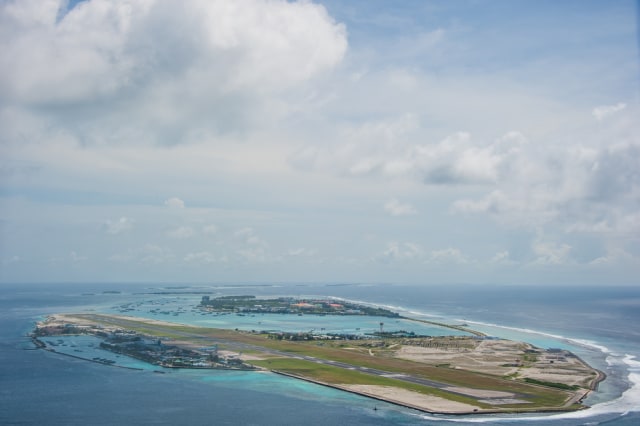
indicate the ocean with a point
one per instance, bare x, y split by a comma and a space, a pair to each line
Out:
600, 324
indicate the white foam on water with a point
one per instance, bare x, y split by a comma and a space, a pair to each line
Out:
628, 402
579, 342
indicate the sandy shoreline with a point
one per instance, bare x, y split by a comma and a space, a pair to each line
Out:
422, 402
490, 357
414, 400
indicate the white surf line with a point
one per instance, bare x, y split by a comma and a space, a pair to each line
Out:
579, 342
627, 402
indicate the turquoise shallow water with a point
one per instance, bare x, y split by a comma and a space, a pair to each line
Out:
597, 322
88, 347
184, 310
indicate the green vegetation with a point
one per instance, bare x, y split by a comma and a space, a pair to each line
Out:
283, 356
537, 396
551, 384
340, 376
289, 305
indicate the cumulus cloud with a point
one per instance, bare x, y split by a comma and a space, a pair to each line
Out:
448, 255
233, 101
604, 111
252, 247
253, 254
401, 251
582, 180
549, 252
119, 226
221, 61
181, 233
11, 260
414, 252
210, 230
586, 186
202, 258
249, 237
298, 252
614, 256
375, 147
100, 47
457, 160
530, 207
396, 208
502, 258
388, 149
174, 202
148, 254
74, 257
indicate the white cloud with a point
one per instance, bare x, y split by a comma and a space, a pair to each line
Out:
373, 148
408, 251
448, 255
388, 149
182, 232
119, 226
550, 252
74, 257
502, 257
148, 254
585, 186
300, 252
84, 53
155, 254
224, 62
210, 230
455, 159
401, 251
604, 111
11, 260
174, 202
396, 208
252, 247
249, 237
203, 258
254, 254
244, 108
530, 207
614, 256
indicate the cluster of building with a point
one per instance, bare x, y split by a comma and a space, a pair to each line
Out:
141, 347
288, 305
156, 352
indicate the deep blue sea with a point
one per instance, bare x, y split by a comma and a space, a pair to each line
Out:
602, 325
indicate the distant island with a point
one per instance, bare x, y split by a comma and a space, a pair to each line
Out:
442, 374
290, 305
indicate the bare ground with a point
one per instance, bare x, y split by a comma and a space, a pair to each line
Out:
502, 358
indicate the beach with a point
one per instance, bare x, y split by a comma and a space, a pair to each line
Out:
457, 354
199, 395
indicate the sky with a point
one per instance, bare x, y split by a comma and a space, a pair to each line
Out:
428, 141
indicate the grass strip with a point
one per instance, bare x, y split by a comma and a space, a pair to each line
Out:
339, 376
537, 395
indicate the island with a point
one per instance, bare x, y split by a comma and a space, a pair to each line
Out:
290, 305
461, 374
